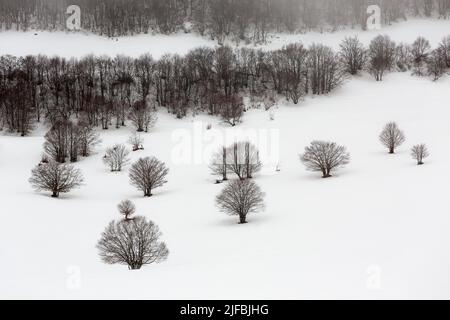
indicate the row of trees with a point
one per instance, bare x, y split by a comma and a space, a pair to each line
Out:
249, 20
104, 92
146, 174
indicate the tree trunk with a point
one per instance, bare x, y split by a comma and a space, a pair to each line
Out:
242, 219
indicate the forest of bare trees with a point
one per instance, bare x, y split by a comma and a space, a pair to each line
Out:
247, 20
76, 95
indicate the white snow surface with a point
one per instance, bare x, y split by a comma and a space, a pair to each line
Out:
70, 44
378, 229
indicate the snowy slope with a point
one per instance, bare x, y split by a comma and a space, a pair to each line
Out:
378, 229
80, 44
317, 238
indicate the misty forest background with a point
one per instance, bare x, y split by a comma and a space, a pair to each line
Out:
248, 20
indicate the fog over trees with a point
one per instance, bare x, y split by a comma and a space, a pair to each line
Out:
240, 20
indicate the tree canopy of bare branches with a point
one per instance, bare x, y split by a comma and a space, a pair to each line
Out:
116, 157
324, 157
241, 197
381, 56
352, 55
134, 243
126, 208
419, 152
392, 137
136, 142
142, 116
55, 177
147, 174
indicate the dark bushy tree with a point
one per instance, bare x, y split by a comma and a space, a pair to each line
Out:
241, 197
134, 243
147, 174
324, 157
56, 178
419, 152
392, 137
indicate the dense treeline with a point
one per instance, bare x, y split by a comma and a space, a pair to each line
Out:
248, 20
104, 92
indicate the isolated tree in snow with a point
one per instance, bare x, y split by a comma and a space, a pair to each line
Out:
126, 208
116, 157
322, 156
352, 54
392, 137
55, 177
136, 142
241, 197
381, 56
419, 152
147, 174
132, 242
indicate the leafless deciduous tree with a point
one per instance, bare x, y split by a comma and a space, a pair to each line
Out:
126, 208
231, 108
420, 51
55, 177
322, 156
147, 174
241, 197
142, 116
219, 163
136, 142
392, 137
116, 157
436, 64
381, 56
132, 242
352, 55
419, 152
243, 159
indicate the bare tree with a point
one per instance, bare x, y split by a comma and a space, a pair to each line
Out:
322, 156
116, 157
88, 139
352, 55
419, 152
136, 142
126, 208
241, 197
219, 165
231, 108
132, 242
392, 137
147, 174
55, 177
436, 64
420, 51
142, 116
243, 159
381, 56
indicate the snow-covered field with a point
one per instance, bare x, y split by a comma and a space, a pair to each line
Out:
81, 44
377, 229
